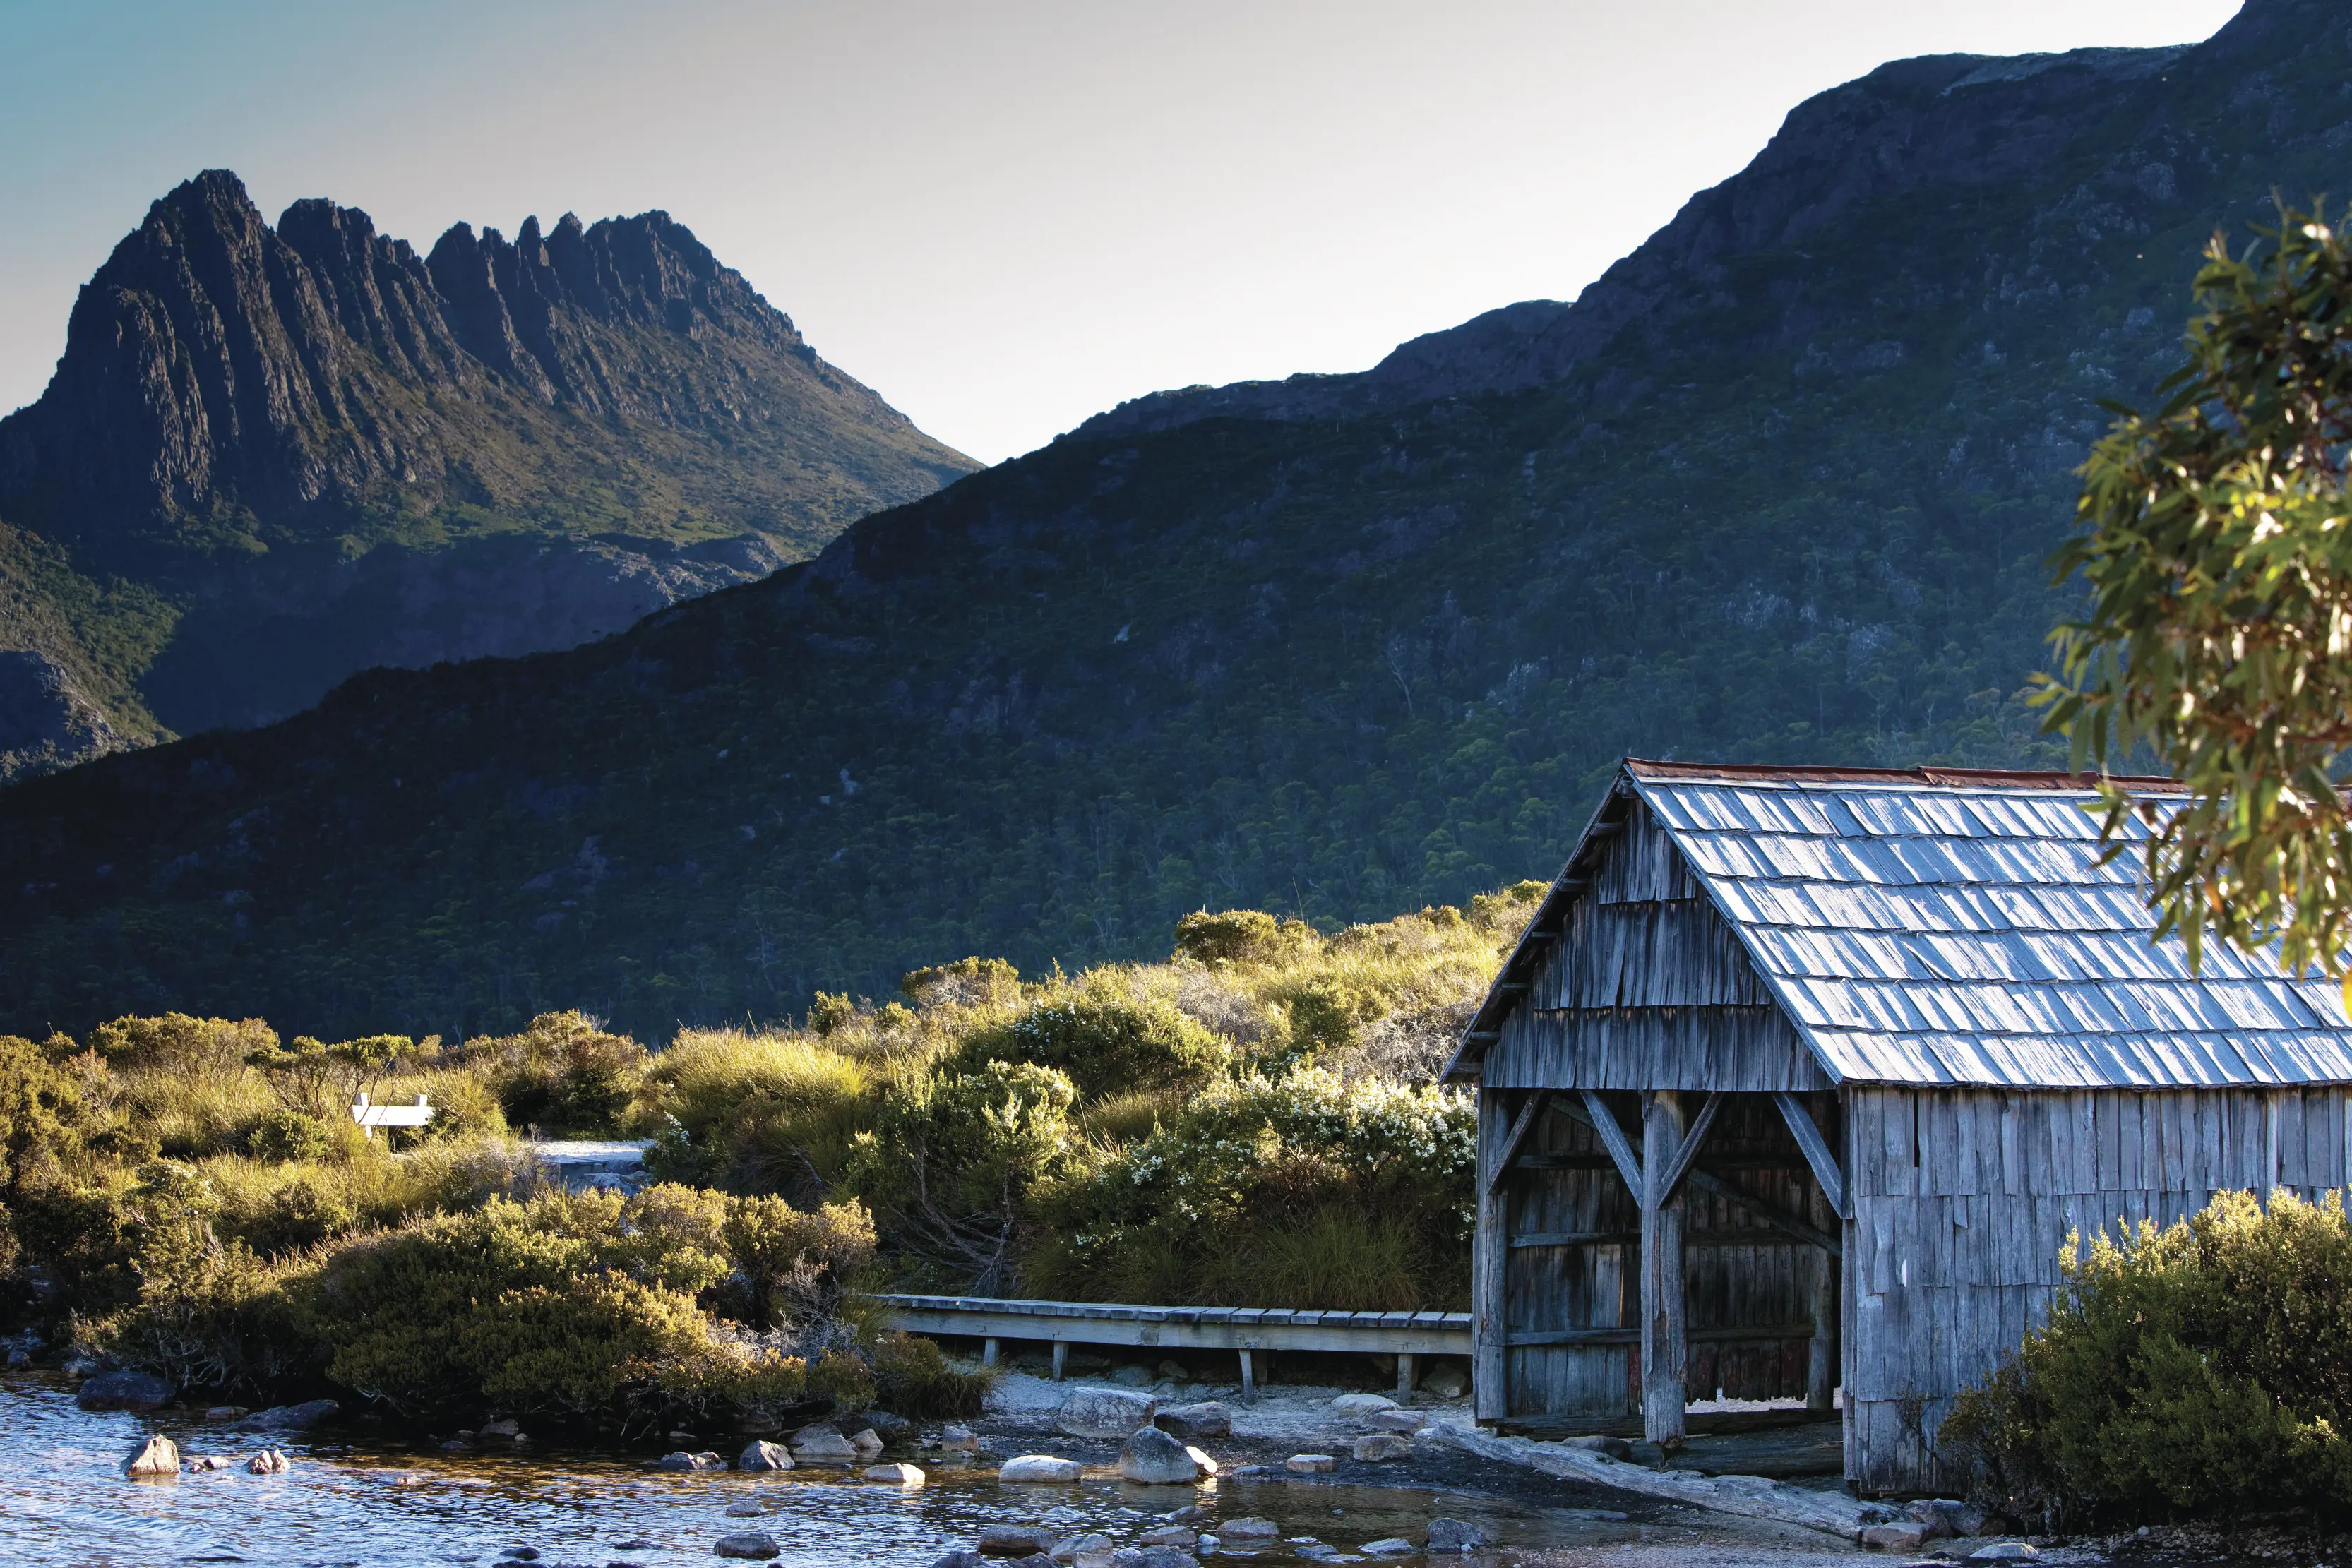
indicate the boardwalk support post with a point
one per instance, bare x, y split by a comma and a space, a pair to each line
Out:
1404, 1377
988, 1351
1061, 1357
1249, 1378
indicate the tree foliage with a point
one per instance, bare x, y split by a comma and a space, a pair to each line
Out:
2215, 542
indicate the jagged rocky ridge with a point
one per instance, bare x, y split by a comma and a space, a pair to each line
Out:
327, 451
1785, 497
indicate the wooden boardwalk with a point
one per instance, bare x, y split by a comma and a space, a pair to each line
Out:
1244, 1330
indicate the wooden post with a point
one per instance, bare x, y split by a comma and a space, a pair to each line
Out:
988, 1353
1404, 1376
1249, 1378
1061, 1357
1822, 1371
1664, 1342
1490, 1252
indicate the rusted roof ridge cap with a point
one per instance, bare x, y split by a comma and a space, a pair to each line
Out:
1949, 778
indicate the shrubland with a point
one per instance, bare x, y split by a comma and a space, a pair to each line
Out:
2200, 1368
1251, 1121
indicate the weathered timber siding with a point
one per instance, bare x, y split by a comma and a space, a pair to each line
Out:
1649, 989
1552, 1284
1963, 1201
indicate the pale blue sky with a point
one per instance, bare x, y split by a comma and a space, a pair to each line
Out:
1003, 216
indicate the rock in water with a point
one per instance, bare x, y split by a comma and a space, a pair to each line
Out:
290, 1418
960, 1558
677, 1460
1454, 1535
898, 1474
1249, 1533
1310, 1464
2006, 1551
888, 1428
868, 1442
268, 1462
1382, 1447
504, 1427
1208, 1466
1194, 1422
747, 1509
158, 1456
140, 1391
749, 1543
765, 1457
1017, 1540
960, 1439
821, 1445
1153, 1557
1151, 1458
1169, 1535
1389, 1547
1041, 1469
1105, 1412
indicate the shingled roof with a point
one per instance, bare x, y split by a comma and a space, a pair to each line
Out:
1932, 925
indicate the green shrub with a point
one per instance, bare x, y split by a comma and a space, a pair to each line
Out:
1345, 1196
911, 1378
286, 1135
301, 1214
2203, 1368
1242, 937
952, 1159
1105, 1044
563, 1074
175, 1043
755, 1113
44, 1115
796, 1267
966, 983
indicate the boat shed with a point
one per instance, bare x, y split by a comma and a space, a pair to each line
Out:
1799, 1080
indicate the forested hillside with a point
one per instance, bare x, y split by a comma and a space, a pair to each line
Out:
1778, 488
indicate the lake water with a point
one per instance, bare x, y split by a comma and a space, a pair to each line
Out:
63, 1499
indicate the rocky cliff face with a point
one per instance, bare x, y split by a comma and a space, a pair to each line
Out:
244, 413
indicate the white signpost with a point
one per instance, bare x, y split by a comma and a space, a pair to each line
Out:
371, 1117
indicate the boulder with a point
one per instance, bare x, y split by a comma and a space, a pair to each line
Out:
1153, 1557
1906, 1536
960, 1439
1615, 1447
868, 1442
208, 1462
1447, 1380
1171, 1535
158, 1456
749, 1543
1174, 1371
2006, 1551
1194, 1422
1249, 1533
1948, 1516
140, 1391
1151, 1458
747, 1509
1092, 1544
268, 1462
221, 1413
504, 1427
1454, 1535
290, 1418
888, 1428
821, 1445
679, 1459
1132, 1376
1208, 1466
765, 1456
1017, 1540
1359, 1405
962, 1557
1396, 1420
897, 1475
1039, 1470
1310, 1464
1383, 1446
1105, 1412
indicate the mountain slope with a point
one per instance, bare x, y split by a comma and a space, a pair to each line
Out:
1779, 488
321, 451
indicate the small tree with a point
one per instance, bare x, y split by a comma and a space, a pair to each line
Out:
2217, 546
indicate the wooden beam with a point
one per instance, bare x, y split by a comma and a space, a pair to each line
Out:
1564, 1162
1520, 1128
1671, 1176
1816, 1151
1767, 1213
1604, 1121
1490, 1259
1579, 1237
1726, 1334
1666, 1349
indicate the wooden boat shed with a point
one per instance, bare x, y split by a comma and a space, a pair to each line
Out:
1800, 1079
